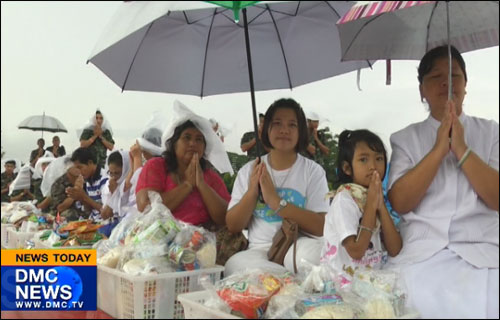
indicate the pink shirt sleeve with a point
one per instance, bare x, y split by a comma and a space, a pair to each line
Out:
153, 175
216, 183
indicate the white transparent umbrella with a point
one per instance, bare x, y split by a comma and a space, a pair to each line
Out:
42, 123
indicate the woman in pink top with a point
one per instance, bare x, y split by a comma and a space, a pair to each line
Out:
192, 191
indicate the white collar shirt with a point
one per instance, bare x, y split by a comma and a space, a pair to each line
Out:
451, 214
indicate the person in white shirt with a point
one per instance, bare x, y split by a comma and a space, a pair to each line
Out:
292, 187
444, 182
358, 227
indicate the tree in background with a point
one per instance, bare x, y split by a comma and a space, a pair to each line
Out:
328, 162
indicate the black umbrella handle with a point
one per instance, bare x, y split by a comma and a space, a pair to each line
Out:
252, 93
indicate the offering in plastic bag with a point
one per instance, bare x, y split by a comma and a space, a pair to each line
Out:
193, 248
248, 294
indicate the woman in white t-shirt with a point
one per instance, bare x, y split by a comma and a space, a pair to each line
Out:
292, 187
358, 227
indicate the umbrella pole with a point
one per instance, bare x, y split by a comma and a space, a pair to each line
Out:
450, 84
252, 89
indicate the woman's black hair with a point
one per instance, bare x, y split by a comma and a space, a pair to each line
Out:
432, 55
301, 123
347, 145
169, 155
116, 158
84, 156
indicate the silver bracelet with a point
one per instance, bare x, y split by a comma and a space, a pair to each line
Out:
361, 228
464, 157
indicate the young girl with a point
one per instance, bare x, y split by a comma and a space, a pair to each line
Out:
291, 185
358, 227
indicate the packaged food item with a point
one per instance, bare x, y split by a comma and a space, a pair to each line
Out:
248, 294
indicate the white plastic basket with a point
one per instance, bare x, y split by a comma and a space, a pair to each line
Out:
17, 239
194, 308
124, 296
39, 244
5, 234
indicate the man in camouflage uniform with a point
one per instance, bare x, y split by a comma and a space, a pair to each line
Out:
68, 207
38, 152
97, 140
7, 177
248, 143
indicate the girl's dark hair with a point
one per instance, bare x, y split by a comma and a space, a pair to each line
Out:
84, 156
432, 55
169, 154
301, 122
347, 144
98, 112
116, 158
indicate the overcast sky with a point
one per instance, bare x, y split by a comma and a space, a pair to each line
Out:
45, 46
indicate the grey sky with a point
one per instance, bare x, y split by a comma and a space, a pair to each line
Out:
45, 46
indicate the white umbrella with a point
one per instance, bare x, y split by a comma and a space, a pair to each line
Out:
42, 123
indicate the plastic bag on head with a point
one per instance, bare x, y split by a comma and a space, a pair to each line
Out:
92, 122
23, 179
56, 169
150, 139
214, 150
38, 173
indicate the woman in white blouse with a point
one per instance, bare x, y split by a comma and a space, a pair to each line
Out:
444, 181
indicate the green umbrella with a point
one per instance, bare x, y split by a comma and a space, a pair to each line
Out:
235, 6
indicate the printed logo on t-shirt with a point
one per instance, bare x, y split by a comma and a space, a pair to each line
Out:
263, 211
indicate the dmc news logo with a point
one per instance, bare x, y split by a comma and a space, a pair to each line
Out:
49, 280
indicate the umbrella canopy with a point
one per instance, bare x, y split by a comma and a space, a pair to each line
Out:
408, 29
202, 51
42, 123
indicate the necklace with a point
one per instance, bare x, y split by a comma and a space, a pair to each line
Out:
272, 174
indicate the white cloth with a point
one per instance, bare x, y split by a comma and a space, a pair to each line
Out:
446, 286
118, 198
305, 187
307, 249
450, 214
214, 150
342, 221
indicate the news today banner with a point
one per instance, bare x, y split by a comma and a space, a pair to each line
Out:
53, 279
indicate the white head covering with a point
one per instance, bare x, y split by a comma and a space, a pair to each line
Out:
311, 115
214, 150
92, 122
125, 164
55, 170
23, 179
150, 139
114, 200
38, 166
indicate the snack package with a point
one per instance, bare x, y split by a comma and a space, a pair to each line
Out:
248, 293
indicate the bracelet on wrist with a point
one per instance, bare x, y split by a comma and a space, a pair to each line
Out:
361, 228
464, 157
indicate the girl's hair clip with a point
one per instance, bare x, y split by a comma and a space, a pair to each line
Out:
349, 135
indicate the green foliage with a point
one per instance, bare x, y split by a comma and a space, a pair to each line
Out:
237, 161
328, 162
